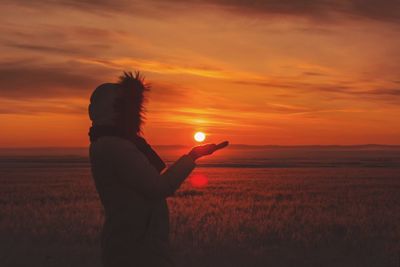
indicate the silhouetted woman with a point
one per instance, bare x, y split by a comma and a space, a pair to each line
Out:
127, 174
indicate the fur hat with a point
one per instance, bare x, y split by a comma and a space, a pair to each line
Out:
120, 104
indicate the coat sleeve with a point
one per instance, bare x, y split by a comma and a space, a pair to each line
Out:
136, 172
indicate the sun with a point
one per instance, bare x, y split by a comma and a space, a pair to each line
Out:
199, 136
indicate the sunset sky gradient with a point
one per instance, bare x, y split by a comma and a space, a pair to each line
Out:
251, 72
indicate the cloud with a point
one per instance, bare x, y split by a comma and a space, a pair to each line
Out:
28, 86
388, 95
208, 117
45, 106
30, 80
338, 90
383, 92
163, 95
313, 73
61, 49
43, 48
25, 79
383, 10
59, 40
168, 68
21, 80
94, 5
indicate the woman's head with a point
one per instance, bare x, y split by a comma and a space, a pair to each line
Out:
120, 104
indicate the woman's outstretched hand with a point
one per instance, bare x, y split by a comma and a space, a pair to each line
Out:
208, 149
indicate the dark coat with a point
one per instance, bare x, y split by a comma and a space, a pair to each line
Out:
133, 194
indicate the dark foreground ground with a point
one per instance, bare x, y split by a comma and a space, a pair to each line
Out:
51, 216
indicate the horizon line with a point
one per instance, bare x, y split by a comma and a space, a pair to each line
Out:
234, 145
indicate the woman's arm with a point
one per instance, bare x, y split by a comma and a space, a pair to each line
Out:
135, 171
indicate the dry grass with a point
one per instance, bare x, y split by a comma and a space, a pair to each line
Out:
243, 217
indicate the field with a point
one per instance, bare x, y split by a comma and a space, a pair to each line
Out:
50, 215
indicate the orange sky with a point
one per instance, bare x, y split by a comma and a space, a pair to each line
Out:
269, 72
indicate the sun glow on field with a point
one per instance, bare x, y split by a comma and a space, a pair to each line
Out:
199, 136
198, 180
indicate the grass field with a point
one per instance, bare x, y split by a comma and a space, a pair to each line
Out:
51, 216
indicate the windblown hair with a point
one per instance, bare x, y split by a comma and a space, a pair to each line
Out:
130, 106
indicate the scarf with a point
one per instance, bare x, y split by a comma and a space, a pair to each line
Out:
97, 131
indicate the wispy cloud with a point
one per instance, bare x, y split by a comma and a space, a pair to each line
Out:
323, 10
169, 68
32, 80
46, 106
382, 92
386, 10
52, 40
334, 90
45, 48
